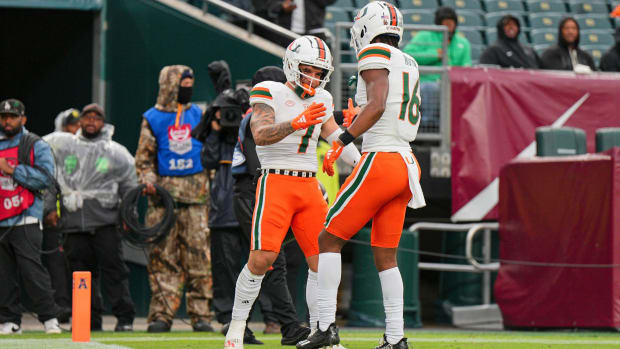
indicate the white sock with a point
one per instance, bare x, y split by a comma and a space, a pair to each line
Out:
329, 279
311, 289
392, 288
246, 291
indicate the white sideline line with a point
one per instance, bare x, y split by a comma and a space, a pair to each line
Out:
65, 343
412, 339
54, 343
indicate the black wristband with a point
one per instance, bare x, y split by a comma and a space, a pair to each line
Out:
346, 137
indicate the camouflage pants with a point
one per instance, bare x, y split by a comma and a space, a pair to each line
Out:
182, 260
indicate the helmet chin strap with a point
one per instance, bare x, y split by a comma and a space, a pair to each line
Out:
304, 91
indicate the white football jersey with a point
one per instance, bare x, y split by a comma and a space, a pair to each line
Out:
399, 123
296, 151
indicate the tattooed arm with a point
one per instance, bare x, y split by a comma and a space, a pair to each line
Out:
264, 129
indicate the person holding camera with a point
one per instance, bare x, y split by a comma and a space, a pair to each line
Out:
167, 155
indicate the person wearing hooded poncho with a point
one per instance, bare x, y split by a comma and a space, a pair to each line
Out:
507, 51
94, 173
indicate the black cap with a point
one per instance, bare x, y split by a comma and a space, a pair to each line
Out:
12, 106
70, 117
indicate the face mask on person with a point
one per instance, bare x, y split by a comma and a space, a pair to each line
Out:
185, 94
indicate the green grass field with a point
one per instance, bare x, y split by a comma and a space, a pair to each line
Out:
351, 339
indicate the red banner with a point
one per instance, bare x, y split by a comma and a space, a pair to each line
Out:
551, 211
495, 114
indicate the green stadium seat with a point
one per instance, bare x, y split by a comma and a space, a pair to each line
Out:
361, 3
582, 6
607, 138
544, 37
493, 18
476, 51
491, 35
596, 51
538, 6
504, 6
426, 17
561, 141
418, 4
595, 21
544, 20
474, 36
336, 14
458, 5
470, 19
596, 37
345, 4
540, 48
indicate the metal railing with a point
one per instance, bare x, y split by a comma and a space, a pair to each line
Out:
474, 266
251, 18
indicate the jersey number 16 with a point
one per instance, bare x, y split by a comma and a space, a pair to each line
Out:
411, 103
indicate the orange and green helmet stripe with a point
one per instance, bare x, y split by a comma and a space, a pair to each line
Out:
374, 51
261, 92
393, 14
321, 47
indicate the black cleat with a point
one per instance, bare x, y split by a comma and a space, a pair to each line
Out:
294, 334
383, 344
320, 339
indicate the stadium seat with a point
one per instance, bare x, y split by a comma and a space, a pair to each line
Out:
596, 21
336, 14
544, 36
474, 36
504, 6
596, 51
476, 51
419, 16
547, 20
491, 34
582, 6
540, 48
419, 4
470, 19
560, 141
344, 4
596, 37
493, 18
458, 5
538, 6
607, 138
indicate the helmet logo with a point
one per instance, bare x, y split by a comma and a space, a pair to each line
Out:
296, 48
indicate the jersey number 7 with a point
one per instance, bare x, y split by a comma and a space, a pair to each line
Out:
411, 103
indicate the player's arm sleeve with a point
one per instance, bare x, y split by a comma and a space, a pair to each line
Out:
262, 93
374, 56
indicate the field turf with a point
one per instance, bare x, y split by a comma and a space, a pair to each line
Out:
351, 339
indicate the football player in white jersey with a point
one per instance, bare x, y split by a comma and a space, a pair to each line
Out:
384, 182
286, 124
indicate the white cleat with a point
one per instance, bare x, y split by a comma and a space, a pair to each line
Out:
234, 336
51, 326
9, 328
